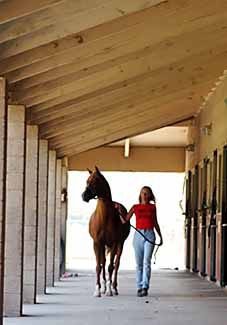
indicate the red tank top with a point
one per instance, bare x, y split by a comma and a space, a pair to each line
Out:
145, 215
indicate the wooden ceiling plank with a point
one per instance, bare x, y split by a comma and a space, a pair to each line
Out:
13, 9
83, 112
84, 109
110, 46
80, 56
155, 56
104, 97
45, 17
144, 123
105, 11
80, 40
120, 113
192, 71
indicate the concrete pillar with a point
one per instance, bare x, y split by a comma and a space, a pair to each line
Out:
42, 216
64, 208
14, 211
57, 221
51, 218
30, 215
3, 134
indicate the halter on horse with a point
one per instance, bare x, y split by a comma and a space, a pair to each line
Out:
106, 230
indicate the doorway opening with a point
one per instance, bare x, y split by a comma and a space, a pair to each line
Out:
125, 188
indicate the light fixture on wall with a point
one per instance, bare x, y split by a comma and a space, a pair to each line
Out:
206, 129
127, 148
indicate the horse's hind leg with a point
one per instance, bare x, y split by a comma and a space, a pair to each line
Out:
117, 264
98, 253
103, 284
110, 271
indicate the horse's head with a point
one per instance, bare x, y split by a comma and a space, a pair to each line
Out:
97, 186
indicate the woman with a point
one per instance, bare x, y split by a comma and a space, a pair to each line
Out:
146, 222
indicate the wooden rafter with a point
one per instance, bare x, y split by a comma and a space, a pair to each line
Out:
118, 130
133, 71
118, 115
107, 48
83, 113
85, 14
96, 71
11, 10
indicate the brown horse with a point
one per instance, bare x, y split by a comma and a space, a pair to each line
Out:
107, 231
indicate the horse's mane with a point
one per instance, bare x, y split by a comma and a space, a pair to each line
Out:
106, 184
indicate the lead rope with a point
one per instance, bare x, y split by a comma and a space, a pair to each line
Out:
149, 241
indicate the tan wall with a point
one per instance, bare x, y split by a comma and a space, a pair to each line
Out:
215, 112
140, 159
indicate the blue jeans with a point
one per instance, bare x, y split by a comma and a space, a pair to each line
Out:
143, 254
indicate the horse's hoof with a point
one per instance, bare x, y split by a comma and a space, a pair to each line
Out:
103, 287
115, 292
97, 292
109, 293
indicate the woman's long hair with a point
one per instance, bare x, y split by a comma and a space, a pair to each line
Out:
151, 194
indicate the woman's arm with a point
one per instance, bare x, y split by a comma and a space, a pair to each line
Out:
123, 212
157, 227
129, 214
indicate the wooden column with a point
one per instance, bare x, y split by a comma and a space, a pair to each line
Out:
14, 211
30, 216
51, 218
42, 216
64, 186
57, 221
3, 135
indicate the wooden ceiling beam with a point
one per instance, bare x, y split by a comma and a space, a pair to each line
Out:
85, 14
157, 85
94, 37
117, 131
191, 71
61, 12
14, 9
71, 131
83, 54
153, 56
106, 48
83, 113
122, 116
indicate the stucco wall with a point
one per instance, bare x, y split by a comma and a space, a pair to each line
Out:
140, 159
214, 113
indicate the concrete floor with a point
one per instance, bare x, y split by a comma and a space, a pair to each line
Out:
175, 297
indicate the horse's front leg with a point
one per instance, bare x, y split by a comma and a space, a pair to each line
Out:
98, 249
116, 268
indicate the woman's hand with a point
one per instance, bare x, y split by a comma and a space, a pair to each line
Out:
121, 210
117, 206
